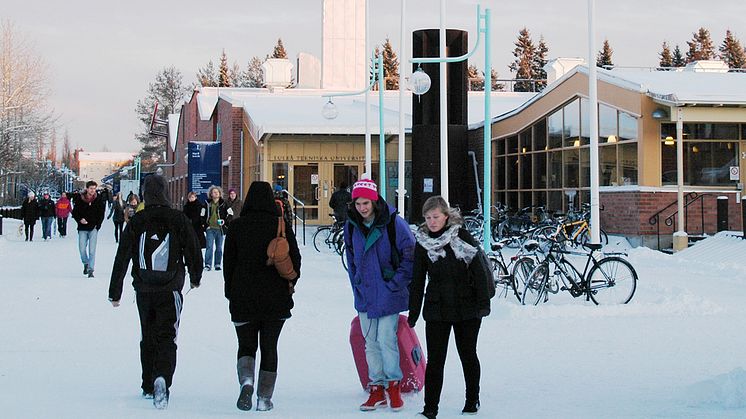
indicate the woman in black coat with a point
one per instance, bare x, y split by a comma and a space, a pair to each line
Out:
193, 210
30, 213
457, 298
260, 299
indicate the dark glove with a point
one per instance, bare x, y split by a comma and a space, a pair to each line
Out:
411, 322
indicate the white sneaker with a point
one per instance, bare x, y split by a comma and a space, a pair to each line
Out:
160, 393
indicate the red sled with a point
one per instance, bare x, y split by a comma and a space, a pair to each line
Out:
411, 358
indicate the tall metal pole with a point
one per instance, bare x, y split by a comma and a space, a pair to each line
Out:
443, 106
593, 119
487, 152
368, 148
381, 134
400, 187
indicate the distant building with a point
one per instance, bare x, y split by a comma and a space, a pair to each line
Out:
97, 165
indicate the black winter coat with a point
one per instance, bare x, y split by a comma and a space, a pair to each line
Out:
93, 212
188, 254
193, 211
256, 291
222, 214
116, 213
46, 208
30, 211
451, 293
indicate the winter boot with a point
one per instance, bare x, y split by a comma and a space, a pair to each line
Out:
160, 393
395, 401
90, 273
471, 407
85, 269
427, 414
376, 399
264, 390
245, 369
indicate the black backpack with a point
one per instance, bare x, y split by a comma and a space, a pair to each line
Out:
158, 250
480, 271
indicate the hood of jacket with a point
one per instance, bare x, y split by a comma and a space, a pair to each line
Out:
383, 215
155, 191
259, 198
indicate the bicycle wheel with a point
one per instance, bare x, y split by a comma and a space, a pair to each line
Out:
344, 257
321, 240
585, 237
506, 232
612, 280
521, 271
504, 283
535, 291
338, 241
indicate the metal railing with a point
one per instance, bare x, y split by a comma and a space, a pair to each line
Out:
670, 220
297, 202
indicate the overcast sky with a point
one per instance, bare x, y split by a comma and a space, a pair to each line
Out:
101, 55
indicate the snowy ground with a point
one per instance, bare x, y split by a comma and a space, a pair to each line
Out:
677, 350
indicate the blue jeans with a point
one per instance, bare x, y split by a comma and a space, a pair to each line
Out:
214, 237
381, 348
46, 227
87, 247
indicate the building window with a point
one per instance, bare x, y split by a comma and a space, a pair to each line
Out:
554, 123
280, 174
571, 125
708, 155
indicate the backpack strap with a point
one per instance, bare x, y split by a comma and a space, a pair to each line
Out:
280, 227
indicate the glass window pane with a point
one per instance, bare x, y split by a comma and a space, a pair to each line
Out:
555, 201
525, 141
555, 129
555, 169
713, 131
511, 200
540, 170
511, 173
540, 135
585, 167
607, 175
279, 174
585, 122
668, 130
540, 199
584, 197
570, 160
512, 143
498, 181
708, 163
525, 167
628, 163
526, 199
607, 123
571, 127
668, 164
627, 127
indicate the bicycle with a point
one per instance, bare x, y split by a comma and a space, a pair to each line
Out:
508, 276
575, 229
329, 238
608, 280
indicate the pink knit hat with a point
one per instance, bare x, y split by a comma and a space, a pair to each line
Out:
365, 188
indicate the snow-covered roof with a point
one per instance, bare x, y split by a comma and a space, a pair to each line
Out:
298, 111
674, 88
173, 129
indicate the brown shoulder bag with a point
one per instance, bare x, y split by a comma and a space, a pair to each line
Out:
278, 254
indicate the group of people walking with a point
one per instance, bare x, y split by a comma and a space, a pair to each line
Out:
434, 273
48, 211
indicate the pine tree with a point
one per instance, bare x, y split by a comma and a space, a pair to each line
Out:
496, 85
252, 77
390, 66
67, 152
235, 75
223, 76
524, 60
666, 58
169, 91
678, 58
206, 75
603, 58
700, 47
732, 52
279, 51
537, 71
473, 79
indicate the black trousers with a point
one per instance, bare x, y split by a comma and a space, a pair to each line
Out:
62, 226
263, 335
160, 313
117, 230
437, 335
29, 229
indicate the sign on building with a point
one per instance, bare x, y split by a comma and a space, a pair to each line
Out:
205, 158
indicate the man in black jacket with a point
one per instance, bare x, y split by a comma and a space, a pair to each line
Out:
340, 201
88, 212
162, 245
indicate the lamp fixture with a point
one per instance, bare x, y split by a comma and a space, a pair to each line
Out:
576, 143
329, 111
420, 82
659, 114
669, 141
612, 139
695, 149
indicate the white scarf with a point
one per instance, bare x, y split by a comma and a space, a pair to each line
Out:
435, 245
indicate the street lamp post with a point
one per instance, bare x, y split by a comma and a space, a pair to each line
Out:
329, 111
420, 78
593, 119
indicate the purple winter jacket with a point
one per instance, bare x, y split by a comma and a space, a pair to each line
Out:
379, 290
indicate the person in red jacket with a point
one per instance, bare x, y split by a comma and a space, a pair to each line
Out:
62, 210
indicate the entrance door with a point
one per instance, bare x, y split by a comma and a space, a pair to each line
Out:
305, 187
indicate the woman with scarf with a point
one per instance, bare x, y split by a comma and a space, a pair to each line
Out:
457, 298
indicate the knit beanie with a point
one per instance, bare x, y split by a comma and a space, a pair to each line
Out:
365, 188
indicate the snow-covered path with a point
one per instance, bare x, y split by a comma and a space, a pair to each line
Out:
675, 351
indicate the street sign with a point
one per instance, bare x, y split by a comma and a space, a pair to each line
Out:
735, 173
